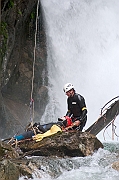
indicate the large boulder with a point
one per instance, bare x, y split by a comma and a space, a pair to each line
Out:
62, 144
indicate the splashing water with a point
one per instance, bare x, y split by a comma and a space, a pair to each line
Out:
95, 167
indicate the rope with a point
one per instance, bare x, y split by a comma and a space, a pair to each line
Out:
113, 129
32, 101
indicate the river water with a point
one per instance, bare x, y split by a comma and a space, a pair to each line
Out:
83, 48
95, 167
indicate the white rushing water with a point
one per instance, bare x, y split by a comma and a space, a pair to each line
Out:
95, 167
83, 48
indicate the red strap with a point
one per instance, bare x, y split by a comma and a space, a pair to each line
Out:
69, 121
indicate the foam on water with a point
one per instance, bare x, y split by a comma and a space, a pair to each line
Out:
98, 166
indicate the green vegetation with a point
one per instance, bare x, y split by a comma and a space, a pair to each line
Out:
19, 12
10, 3
32, 16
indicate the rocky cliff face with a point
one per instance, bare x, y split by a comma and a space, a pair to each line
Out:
18, 53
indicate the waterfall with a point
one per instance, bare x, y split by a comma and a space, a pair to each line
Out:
83, 48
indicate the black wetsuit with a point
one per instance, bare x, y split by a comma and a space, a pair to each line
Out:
77, 109
45, 127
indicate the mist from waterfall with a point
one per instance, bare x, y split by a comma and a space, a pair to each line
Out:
83, 48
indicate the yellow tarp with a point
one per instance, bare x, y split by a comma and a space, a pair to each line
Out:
53, 130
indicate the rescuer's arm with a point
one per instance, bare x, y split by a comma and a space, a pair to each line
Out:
83, 115
83, 108
74, 124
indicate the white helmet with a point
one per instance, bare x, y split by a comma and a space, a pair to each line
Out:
68, 87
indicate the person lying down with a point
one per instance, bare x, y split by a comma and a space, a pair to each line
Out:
38, 131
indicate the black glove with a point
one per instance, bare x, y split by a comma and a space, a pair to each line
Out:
59, 119
35, 125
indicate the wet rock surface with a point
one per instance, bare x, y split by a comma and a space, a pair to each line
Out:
63, 144
12, 166
115, 165
17, 36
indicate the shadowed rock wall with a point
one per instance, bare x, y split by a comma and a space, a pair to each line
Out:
18, 28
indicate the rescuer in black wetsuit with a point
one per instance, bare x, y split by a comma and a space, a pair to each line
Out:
76, 106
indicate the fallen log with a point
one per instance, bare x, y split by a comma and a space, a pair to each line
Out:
111, 113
